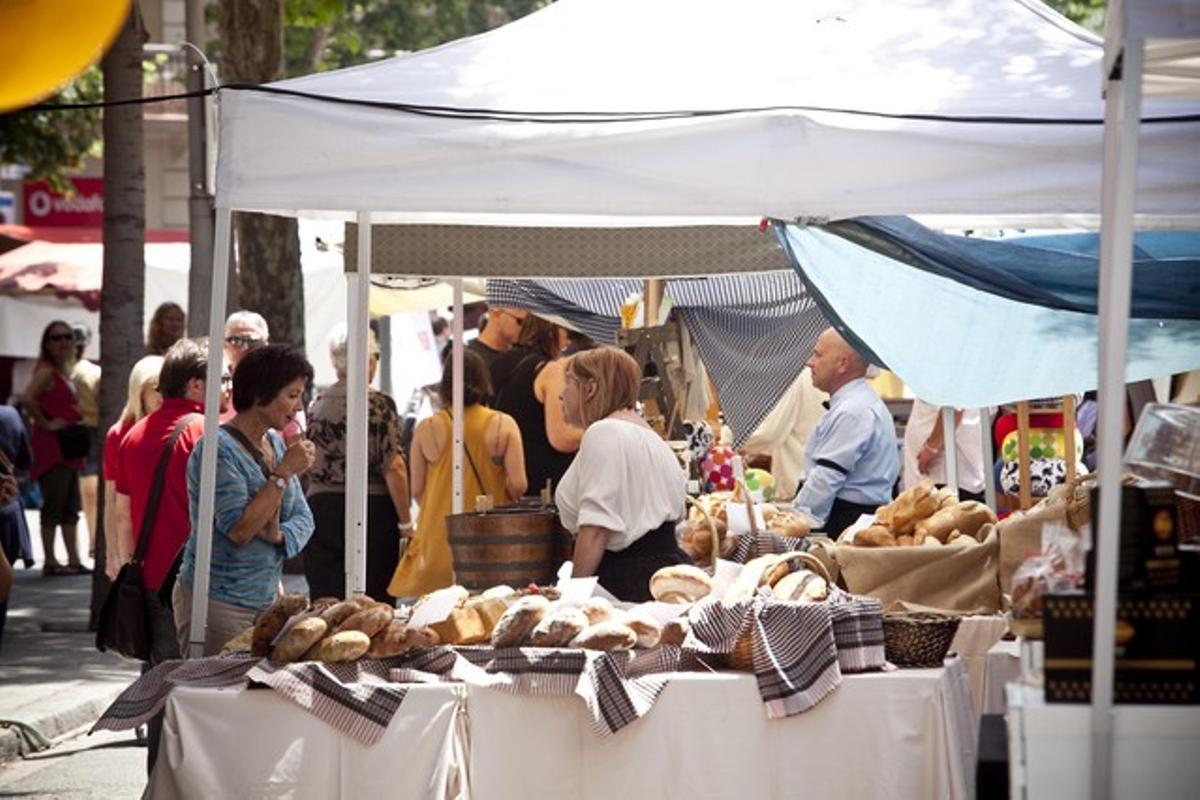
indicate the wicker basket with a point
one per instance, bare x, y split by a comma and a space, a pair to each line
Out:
918, 639
715, 553
742, 656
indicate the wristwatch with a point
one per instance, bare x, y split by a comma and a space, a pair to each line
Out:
279, 481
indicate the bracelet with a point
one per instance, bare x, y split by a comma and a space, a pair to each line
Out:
930, 448
405, 527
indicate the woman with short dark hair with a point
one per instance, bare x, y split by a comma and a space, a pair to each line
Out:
494, 465
260, 515
50, 403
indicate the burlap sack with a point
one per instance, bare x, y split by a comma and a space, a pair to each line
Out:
1021, 532
955, 578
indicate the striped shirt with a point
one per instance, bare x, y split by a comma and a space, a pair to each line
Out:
244, 575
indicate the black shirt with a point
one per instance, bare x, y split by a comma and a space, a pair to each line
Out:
518, 400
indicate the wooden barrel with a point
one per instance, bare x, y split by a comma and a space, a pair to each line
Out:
515, 546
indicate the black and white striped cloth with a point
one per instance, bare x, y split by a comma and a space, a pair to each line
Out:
799, 650
754, 331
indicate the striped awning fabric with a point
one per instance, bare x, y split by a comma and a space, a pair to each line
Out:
754, 331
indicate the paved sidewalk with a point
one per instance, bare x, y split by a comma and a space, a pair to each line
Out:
52, 678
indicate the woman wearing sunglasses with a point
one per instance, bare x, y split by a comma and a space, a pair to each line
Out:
51, 405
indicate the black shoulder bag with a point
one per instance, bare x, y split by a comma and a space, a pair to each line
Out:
123, 625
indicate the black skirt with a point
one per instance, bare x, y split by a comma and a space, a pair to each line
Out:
626, 573
325, 553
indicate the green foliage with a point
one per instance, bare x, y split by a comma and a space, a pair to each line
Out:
1086, 13
55, 143
331, 34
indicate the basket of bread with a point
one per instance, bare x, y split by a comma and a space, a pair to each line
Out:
926, 548
708, 522
790, 577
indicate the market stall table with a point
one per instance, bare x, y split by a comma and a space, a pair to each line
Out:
707, 736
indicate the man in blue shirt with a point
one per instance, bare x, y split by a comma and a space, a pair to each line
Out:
852, 458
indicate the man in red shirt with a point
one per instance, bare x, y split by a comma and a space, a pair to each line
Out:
181, 384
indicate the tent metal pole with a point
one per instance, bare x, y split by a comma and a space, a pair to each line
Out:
950, 448
989, 457
456, 434
208, 445
1121, 118
456, 401
358, 286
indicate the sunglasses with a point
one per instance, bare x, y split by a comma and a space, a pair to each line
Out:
243, 342
61, 337
226, 380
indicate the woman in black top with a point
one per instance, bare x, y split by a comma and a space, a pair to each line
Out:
534, 380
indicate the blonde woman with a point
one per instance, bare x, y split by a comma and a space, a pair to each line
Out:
143, 398
624, 492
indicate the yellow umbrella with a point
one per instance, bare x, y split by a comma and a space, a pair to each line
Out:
45, 43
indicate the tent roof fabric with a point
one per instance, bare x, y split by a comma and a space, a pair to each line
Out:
978, 332
830, 108
753, 331
487, 251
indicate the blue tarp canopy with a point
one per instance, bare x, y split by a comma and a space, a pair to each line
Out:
972, 322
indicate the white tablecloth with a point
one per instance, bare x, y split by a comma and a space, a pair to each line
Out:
1003, 665
908, 733
973, 642
251, 743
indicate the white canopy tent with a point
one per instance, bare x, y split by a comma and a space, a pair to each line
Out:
1151, 50
660, 113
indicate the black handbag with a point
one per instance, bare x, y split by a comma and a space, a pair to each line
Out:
74, 441
124, 624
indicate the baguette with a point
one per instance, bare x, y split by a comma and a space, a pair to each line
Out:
338, 613
967, 517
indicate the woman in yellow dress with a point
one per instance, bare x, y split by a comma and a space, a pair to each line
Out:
494, 464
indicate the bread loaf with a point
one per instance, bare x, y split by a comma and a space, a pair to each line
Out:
240, 643
490, 610
338, 613
557, 629
801, 586
788, 523
874, 536
931, 541
787, 564
343, 646
681, 583
598, 609
913, 505
906, 540
646, 628
370, 620
420, 638
272, 620
967, 517
675, 631
390, 641
463, 626
610, 635
301, 636
753, 575
519, 620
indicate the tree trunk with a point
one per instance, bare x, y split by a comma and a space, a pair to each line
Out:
268, 248
121, 340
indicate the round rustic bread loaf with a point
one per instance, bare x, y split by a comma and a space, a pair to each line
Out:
519, 620
610, 635
558, 628
681, 583
301, 636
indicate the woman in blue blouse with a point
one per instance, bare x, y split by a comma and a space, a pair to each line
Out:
260, 514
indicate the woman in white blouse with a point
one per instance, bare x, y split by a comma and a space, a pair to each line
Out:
624, 492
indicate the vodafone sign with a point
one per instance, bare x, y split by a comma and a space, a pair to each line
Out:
85, 208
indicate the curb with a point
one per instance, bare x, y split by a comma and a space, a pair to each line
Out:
55, 727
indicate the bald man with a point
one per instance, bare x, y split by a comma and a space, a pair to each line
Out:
852, 458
